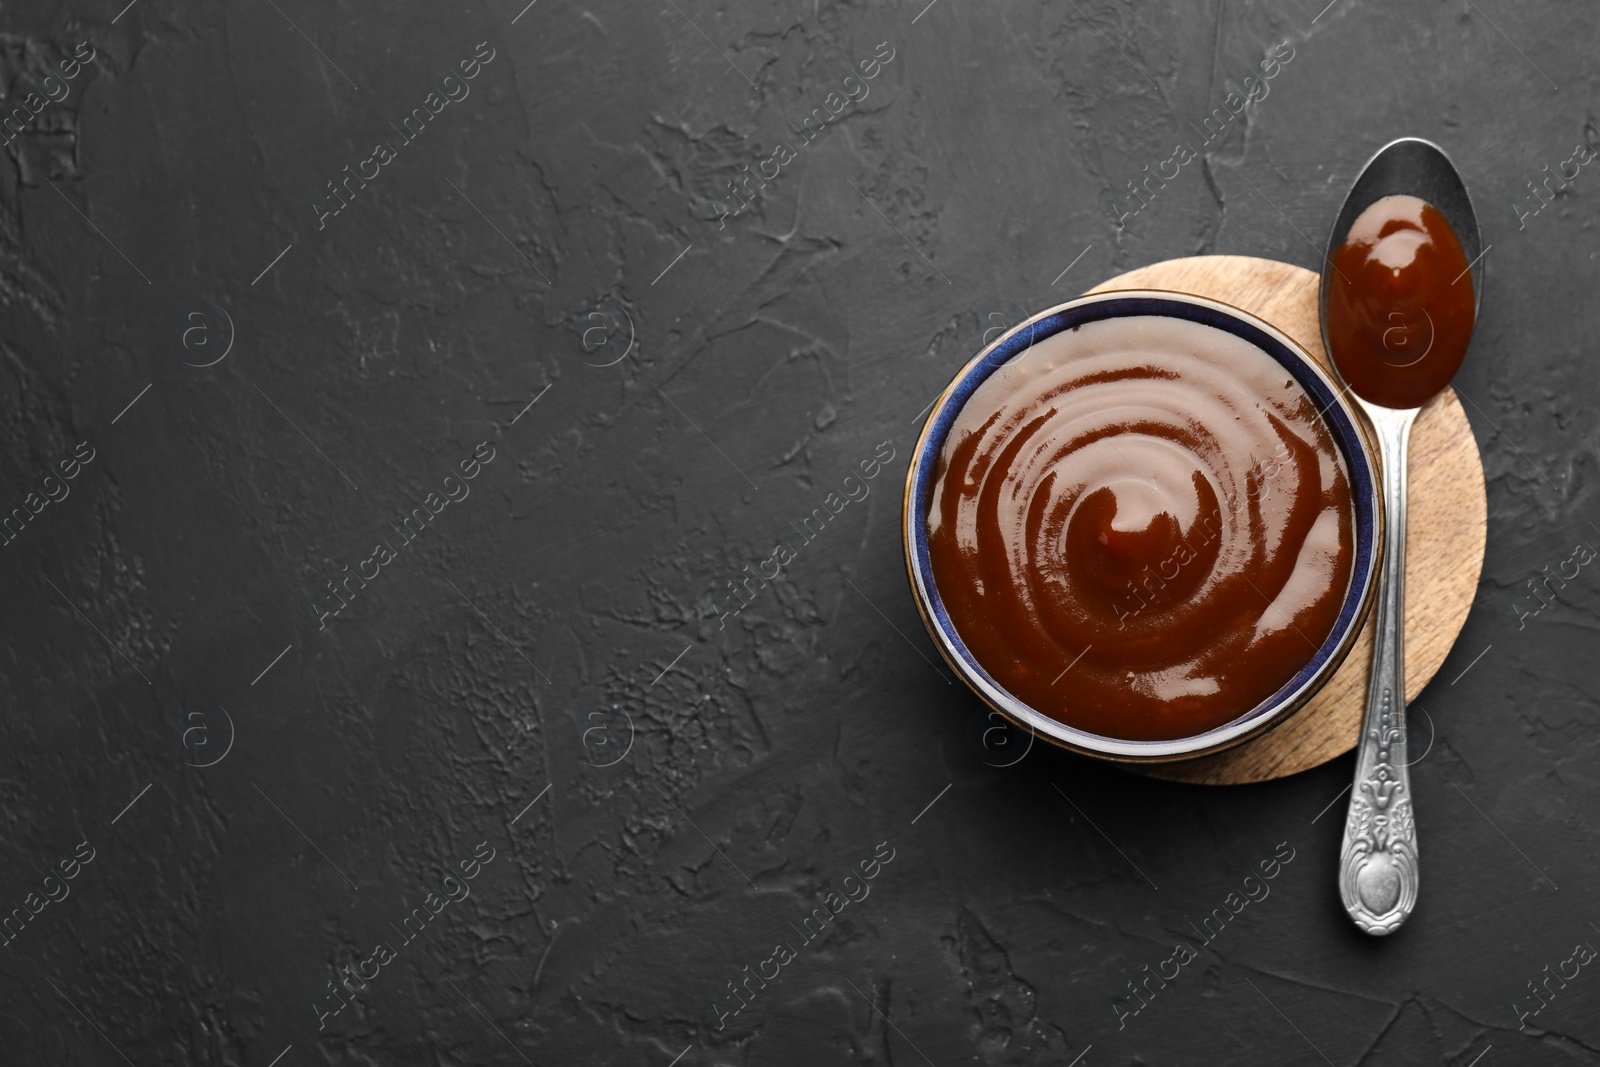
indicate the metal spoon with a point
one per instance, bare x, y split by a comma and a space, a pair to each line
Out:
1378, 870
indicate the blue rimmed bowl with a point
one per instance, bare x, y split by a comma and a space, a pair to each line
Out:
1343, 424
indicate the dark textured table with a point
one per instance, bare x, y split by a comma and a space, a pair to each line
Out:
398, 398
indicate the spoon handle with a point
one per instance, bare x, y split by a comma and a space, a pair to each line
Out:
1378, 872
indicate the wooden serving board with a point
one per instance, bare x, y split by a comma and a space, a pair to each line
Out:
1447, 521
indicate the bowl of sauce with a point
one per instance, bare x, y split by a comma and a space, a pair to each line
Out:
1143, 525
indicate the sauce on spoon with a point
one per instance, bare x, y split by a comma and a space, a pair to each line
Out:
1400, 304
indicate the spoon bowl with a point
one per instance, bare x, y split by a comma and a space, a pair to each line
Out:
1414, 167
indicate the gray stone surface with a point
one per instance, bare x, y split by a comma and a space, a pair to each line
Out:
300, 782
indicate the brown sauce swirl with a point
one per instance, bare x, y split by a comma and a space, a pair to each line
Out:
1141, 527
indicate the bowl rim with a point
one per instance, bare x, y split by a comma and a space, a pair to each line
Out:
1350, 436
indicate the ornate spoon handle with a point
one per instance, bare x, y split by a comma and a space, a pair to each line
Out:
1378, 872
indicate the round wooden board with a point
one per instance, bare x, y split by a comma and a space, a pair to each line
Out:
1447, 520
